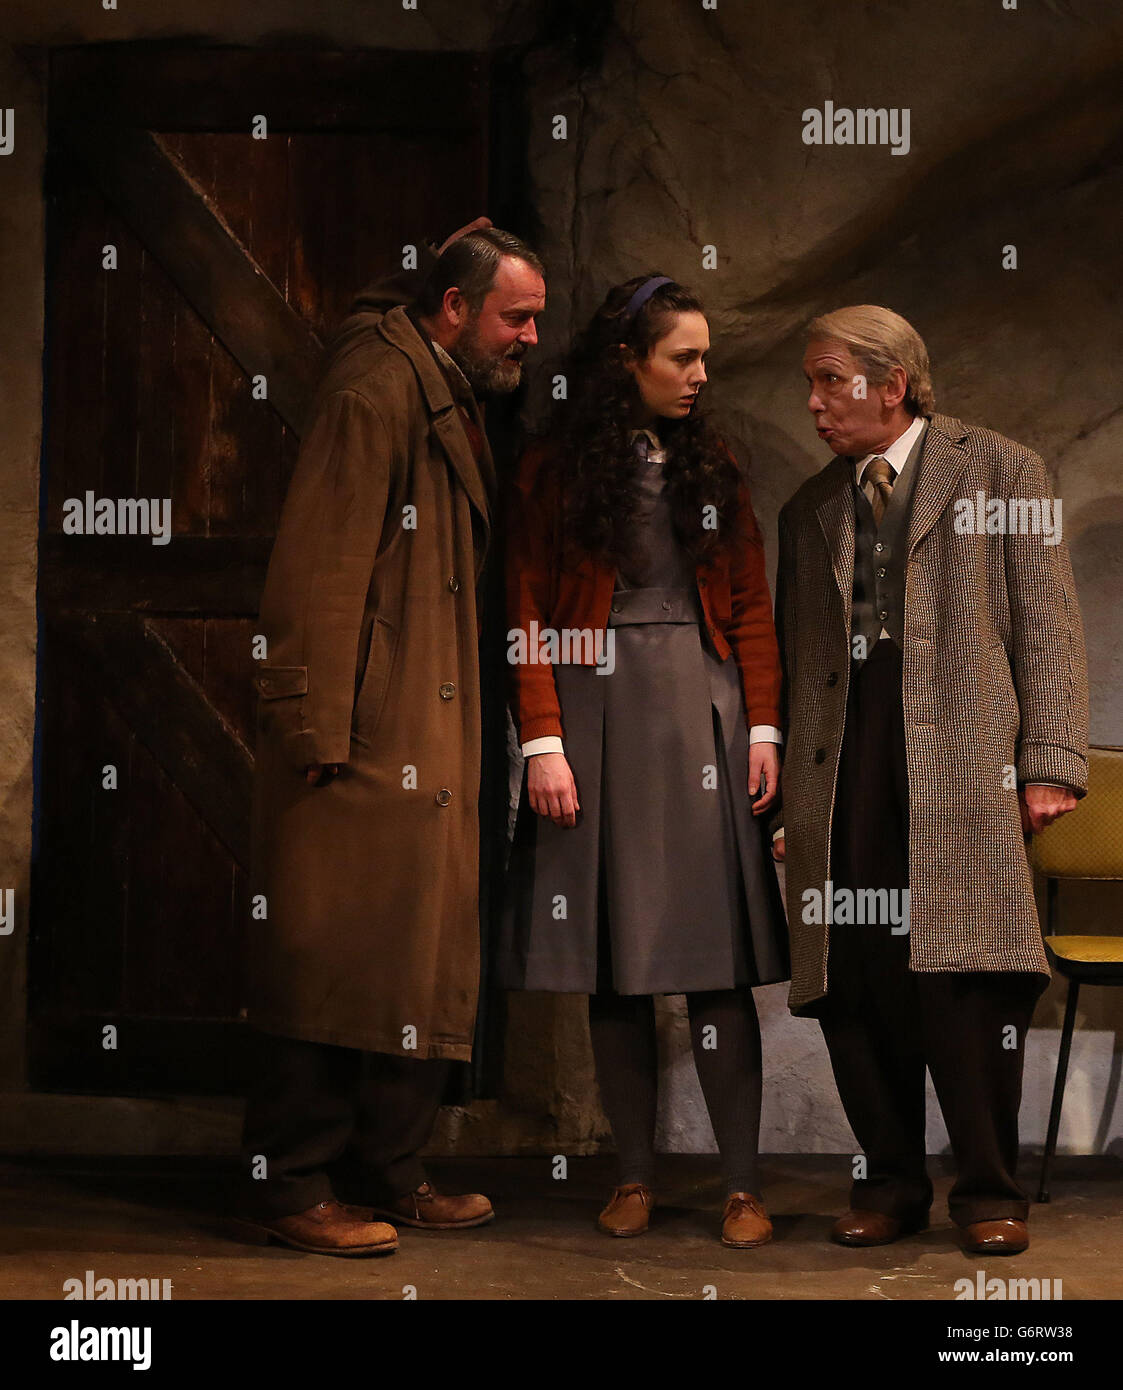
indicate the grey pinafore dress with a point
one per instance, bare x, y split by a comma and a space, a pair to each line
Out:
664, 886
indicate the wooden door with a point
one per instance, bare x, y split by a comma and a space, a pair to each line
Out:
233, 259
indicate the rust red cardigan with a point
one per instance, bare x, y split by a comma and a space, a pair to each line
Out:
734, 591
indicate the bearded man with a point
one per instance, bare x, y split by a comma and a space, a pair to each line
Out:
365, 960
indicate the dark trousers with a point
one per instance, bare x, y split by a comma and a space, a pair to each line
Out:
317, 1111
884, 1024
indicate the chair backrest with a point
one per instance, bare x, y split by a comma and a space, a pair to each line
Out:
1088, 842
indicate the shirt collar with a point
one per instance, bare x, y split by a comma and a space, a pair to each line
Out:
897, 453
451, 366
652, 438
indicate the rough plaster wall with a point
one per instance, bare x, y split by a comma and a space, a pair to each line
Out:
21, 293
690, 134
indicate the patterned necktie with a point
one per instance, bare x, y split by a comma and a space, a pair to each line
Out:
878, 484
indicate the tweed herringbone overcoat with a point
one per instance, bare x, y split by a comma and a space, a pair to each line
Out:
994, 677
371, 935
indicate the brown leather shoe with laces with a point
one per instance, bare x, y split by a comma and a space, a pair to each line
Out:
1002, 1237
857, 1227
328, 1228
432, 1211
628, 1210
745, 1223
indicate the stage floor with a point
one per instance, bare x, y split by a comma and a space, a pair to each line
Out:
160, 1219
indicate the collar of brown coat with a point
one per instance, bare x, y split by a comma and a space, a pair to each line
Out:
478, 479
943, 458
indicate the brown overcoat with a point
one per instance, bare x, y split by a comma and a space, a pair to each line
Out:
994, 678
371, 932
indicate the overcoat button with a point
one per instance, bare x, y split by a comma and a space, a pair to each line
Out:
879, 547
883, 615
666, 605
616, 608
454, 584
832, 679
882, 573
448, 690
444, 796
820, 755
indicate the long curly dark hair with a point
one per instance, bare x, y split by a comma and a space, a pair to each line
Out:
598, 471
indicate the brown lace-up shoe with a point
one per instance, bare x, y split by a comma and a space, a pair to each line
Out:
628, 1210
325, 1229
432, 1211
745, 1223
873, 1228
1006, 1237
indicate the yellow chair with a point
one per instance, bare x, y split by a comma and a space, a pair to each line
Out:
1085, 843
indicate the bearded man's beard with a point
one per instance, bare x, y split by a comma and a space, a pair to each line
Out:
488, 374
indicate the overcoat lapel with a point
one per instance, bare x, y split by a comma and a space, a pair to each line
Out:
478, 481
942, 461
836, 518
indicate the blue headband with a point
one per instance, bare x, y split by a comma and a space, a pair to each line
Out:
643, 294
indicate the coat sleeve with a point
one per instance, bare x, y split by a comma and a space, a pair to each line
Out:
319, 572
785, 635
751, 632
1047, 658
535, 707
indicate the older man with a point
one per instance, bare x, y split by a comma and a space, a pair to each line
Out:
365, 956
936, 710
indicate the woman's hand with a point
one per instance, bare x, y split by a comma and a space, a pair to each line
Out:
764, 775
551, 788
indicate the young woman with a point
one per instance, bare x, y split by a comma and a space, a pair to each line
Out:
646, 687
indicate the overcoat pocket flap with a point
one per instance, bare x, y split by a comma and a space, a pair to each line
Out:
275, 681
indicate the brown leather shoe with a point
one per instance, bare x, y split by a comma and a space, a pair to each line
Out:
628, 1210
325, 1229
431, 1211
872, 1228
745, 1223
1006, 1237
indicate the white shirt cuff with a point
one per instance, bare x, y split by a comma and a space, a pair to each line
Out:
778, 834
765, 733
548, 743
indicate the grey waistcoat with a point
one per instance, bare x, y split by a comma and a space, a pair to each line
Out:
878, 599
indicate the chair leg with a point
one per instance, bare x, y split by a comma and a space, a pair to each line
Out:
1058, 1089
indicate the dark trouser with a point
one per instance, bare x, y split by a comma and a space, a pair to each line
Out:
316, 1108
884, 1024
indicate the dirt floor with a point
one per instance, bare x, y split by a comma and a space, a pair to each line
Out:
162, 1220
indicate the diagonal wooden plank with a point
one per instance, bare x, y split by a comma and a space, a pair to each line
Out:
204, 576
218, 277
169, 712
